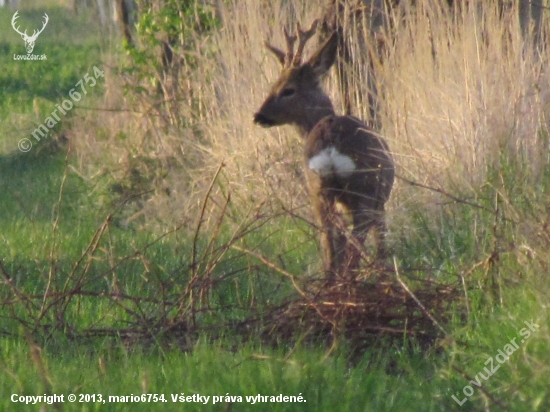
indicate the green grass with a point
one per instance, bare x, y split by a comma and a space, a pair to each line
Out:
403, 378
214, 371
390, 376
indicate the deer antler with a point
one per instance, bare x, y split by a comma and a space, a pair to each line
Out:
290, 40
303, 37
290, 59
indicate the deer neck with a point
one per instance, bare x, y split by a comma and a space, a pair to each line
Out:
312, 117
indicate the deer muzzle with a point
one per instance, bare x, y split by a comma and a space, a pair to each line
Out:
263, 120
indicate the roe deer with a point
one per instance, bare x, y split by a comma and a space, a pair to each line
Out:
346, 163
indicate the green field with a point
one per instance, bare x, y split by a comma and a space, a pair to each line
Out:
158, 243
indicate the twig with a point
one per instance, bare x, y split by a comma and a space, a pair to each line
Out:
54, 235
271, 265
452, 197
481, 388
201, 216
465, 295
428, 314
8, 280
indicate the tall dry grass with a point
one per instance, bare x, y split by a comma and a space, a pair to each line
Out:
455, 92
458, 91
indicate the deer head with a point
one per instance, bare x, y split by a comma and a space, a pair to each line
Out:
296, 97
29, 40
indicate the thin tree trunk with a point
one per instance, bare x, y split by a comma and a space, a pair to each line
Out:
102, 12
530, 17
358, 20
123, 12
536, 14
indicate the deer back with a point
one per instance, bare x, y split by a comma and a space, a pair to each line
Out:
349, 158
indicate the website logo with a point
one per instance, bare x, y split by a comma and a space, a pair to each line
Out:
29, 40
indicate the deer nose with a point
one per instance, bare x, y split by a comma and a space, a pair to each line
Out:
263, 120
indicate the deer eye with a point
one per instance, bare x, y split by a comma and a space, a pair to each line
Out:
288, 92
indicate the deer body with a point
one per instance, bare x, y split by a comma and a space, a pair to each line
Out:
345, 163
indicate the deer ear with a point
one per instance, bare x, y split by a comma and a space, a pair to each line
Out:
325, 57
279, 54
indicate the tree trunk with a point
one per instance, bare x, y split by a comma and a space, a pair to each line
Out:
358, 20
123, 11
530, 17
102, 12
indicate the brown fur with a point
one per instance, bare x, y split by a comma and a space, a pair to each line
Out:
297, 98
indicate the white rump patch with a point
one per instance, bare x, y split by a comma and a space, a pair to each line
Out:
330, 161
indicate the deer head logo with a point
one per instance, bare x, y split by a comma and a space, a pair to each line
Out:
29, 40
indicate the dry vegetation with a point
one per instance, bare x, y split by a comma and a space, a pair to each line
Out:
454, 94
458, 96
